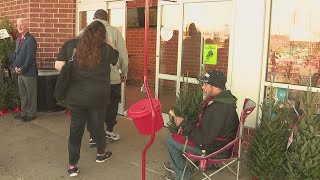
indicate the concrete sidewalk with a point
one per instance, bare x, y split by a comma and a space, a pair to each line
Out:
37, 150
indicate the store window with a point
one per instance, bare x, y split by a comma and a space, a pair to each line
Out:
294, 44
206, 39
293, 61
85, 18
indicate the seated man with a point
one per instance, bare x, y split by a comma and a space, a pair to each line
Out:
216, 127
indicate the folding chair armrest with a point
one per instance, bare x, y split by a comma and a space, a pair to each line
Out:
228, 146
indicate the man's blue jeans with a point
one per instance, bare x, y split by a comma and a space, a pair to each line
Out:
177, 159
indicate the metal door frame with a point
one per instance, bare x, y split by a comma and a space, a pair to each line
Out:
177, 78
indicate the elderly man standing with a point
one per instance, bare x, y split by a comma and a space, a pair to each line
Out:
26, 67
216, 127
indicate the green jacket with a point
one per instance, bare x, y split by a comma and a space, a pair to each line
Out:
219, 120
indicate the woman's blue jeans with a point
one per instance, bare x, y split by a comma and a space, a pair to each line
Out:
177, 159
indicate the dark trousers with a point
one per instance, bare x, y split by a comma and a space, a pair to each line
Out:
79, 117
112, 110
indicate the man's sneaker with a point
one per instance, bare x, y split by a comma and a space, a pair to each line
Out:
73, 171
92, 142
169, 167
112, 135
106, 156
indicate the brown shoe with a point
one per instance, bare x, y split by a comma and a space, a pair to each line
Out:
28, 118
19, 116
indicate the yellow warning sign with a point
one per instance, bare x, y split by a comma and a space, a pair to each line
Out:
210, 54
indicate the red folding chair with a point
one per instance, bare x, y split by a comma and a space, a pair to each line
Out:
236, 145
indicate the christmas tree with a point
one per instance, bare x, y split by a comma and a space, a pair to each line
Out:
303, 155
266, 154
2, 88
9, 81
188, 105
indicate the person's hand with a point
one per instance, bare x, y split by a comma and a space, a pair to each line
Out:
17, 70
123, 78
178, 120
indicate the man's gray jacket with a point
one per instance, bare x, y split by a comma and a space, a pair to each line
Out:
115, 37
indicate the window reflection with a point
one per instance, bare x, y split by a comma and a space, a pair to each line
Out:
209, 27
294, 46
85, 18
206, 37
169, 47
292, 98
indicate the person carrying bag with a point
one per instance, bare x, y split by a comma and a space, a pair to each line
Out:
85, 89
64, 78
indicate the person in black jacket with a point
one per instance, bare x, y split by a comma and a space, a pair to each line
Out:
216, 127
89, 92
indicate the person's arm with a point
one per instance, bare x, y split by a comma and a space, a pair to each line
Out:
112, 54
31, 54
62, 57
123, 55
14, 64
211, 123
58, 65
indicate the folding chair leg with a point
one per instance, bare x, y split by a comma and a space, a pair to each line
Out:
206, 176
238, 169
184, 170
227, 166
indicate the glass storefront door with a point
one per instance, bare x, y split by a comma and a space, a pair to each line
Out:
192, 37
85, 12
117, 18
167, 53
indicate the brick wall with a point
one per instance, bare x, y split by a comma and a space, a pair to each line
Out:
135, 44
51, 22
14, 9
248, 134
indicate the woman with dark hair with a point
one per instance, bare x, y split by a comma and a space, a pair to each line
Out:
89, 92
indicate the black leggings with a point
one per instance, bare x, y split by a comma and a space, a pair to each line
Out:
79, 117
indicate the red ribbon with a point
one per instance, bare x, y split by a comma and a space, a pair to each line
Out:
3, 112
17, 109
67, 113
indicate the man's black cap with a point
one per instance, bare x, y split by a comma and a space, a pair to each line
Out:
214, 78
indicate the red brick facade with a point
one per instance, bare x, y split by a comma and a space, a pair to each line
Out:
135, 44
248, 134
51, 22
